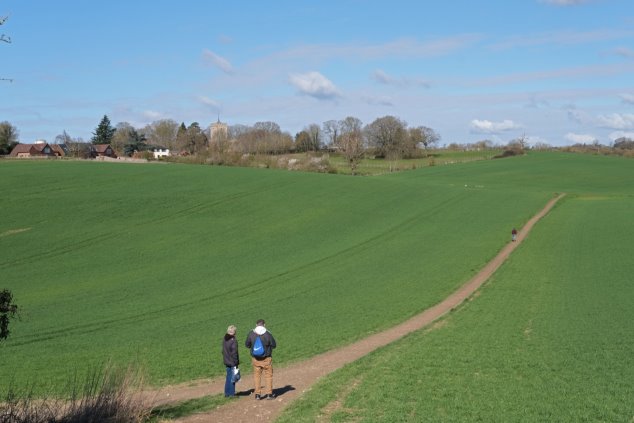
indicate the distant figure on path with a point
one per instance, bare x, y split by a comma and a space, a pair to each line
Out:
513, 234
260, 343
231, 359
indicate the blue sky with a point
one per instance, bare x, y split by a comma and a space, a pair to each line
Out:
556, 71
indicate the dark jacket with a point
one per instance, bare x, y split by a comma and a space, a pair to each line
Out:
230, 351
267, 340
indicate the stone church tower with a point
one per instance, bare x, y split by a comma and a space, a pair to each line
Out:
218, 131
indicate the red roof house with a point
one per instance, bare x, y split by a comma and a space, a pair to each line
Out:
32, 150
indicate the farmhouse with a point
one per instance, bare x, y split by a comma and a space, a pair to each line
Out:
59, 150
159, 152
103, 150
40, 149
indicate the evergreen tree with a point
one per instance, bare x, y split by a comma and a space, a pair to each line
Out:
181, 137
8, 310
104, 132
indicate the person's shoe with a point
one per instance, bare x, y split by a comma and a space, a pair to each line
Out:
258, 397
271, 396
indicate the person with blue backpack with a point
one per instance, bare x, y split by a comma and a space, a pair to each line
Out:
261, 343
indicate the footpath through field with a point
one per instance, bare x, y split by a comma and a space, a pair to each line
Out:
290, 382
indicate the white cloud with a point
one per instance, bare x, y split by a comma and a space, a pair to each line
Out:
315, 85
620, 134
487, 127
627, 98
580, 138
382, 77
218, 61
617, 121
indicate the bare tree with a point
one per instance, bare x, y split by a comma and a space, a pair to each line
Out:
350, 124
121, 136
314, 131
6, 39
162, 133
331, 129
388, 136
352, 149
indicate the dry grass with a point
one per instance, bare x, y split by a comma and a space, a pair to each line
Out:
110, 395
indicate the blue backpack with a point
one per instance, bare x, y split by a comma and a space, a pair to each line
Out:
258, 348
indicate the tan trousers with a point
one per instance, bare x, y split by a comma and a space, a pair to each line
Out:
263, 366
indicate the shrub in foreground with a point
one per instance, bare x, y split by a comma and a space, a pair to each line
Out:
110, 395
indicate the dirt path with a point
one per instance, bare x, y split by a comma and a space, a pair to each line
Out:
290, 382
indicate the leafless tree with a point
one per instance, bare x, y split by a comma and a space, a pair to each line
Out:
6, 39
331, 129
352, 148
388, 136
162, 133
314, 131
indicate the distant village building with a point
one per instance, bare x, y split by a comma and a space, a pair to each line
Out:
39, 149
103, 150
159, 152
218, 131
59, 150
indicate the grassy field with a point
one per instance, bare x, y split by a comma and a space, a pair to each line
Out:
549, 338
370, 166
150, 263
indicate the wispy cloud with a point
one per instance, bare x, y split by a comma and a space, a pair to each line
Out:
627, 98
617, 121
218, 61
536, 103
404, 47
563, 38
574, 72
377, 101
564, 2
382, 77
151, 114
209, 102
316, 85
624, 52
580, 138
488, 127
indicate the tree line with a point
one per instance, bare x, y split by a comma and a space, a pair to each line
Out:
386, 137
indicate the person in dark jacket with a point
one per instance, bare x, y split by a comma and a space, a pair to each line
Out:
263, 364
513, 234
231, 359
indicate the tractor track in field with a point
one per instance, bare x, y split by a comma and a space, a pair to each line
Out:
290, 382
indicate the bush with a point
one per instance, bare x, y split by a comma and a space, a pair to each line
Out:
109, 395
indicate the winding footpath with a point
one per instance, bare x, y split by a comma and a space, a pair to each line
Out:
290, 382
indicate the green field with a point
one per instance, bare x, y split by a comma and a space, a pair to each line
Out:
150, 263
548, 338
